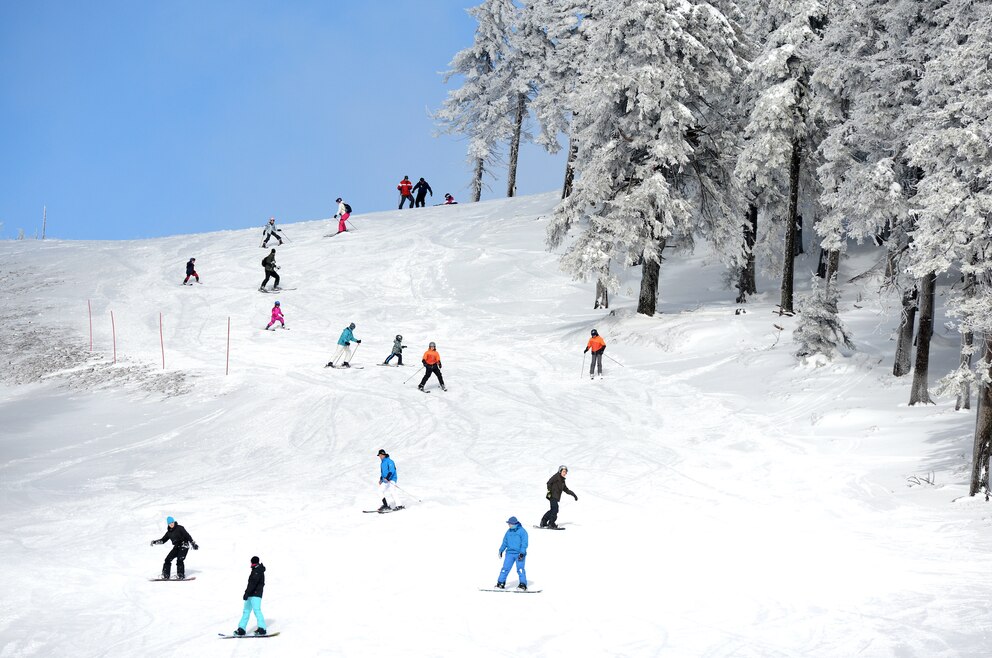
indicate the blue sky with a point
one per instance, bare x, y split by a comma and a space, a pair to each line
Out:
140, 119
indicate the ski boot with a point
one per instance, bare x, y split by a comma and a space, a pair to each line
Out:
522, 586
443, 387
259, 631
420, 387
500, 585
345, 365
240, 631
261, 289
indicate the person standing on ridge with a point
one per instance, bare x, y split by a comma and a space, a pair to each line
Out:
405, 186
515, 546
397, 351
191, 272
387, 482
556, 486
253, 598
276, 317
432, 363
181, 541
598, 346
344, 212
344, 347
422, 188
269, 263
270, 232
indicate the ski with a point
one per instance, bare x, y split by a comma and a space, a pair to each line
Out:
422, 390
276, 291
274, 328
246, 636
159, 580
509, 590
390, 365
331, 365
544, 527
385, 511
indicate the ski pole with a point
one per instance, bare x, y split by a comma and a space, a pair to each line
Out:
613, 360
407, 493
356, 350
583, 370
283, 236
411, 376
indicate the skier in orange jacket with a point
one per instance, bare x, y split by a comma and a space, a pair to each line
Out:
432, 362
598, 346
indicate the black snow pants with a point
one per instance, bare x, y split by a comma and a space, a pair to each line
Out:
427, 375
551, 515
178, 553
271, 274
421, 200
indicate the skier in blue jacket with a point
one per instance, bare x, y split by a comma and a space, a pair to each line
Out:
515, 546
387, 482
344, 347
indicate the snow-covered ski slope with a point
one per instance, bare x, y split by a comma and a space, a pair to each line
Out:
731, 502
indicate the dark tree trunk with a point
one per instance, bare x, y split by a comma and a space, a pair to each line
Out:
967, 349
921, 368
904, 343
573, 152
746, 282
788, 266
602, 295
799, 236
518, 124
480, 166
647, 303
983, 432
833, 264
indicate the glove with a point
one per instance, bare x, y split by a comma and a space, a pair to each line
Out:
359, 342
154, 541
521, 556
196, 546
244, 598
424, 362
403, 346
335, 216
501, 553
347, 343
575, 497
585, 350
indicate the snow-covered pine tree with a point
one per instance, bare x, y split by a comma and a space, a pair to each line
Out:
777, 137
647, 139
820, 331
487, 107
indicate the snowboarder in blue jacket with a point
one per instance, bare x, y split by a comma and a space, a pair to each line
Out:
387, 482
515, 546
344, 346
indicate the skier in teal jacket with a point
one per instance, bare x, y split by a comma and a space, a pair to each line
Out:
515, 546
344, 347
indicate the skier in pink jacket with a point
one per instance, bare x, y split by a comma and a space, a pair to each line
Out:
276, 317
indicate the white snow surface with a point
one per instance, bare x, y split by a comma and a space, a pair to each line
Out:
732, 502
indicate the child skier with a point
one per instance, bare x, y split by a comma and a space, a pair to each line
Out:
191, 272
181, 541
344, 212
515, 546
397, 351
387, 482
276, 317
270, 232
449, 200
556, 486
598, 346
432, 363
253, 598
344, 347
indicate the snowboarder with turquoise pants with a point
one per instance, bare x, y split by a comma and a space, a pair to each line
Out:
387, 482
253, 598
397, 351
344, 346
515, 547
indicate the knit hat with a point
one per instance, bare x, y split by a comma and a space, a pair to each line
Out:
254, 560
513, 521
169, 519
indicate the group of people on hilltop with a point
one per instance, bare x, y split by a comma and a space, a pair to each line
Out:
421, 190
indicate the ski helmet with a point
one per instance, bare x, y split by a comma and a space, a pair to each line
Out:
399, 337
277, 303
351, 326
337, 200
432, 345
382, 451
594, 332
255, 560
562, 468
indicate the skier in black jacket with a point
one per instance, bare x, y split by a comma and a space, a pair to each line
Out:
556, 486
269, 263
253, 598
422, 188
191, 271
181, 541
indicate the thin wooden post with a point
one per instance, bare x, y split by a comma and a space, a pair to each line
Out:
89, 308
44, 221
113, 332
161, 339
227, 364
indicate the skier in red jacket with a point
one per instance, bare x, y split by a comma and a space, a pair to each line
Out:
406, 188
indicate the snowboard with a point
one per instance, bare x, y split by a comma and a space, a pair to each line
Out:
159, 580
246, 636
385, 511
509, 590
547, 528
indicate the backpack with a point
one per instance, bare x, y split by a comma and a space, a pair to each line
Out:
347, 208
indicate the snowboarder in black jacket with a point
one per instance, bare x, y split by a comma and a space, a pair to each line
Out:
269, 263
556, 486
421, 189
181, 541
253, 598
